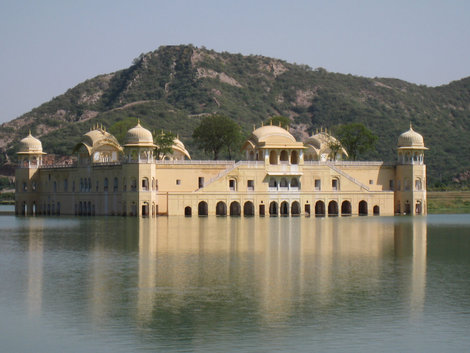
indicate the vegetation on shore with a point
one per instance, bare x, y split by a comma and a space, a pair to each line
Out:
7, 198
448, 202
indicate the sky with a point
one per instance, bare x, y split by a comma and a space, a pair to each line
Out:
49, 46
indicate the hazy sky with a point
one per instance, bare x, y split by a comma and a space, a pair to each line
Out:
49, 46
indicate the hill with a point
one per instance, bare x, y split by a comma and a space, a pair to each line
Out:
173, 87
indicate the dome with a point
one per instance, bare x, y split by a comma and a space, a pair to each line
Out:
139, 137
411, 139
98, 138
320, 144
321, 140
30, 145
272, 134
178, 146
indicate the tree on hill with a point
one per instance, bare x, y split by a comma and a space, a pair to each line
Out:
355, 138
216, 132
164, 142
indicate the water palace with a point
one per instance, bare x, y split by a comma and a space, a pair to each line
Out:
279, 176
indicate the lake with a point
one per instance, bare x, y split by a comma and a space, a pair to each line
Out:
215, 284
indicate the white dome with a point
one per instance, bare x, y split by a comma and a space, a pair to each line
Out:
139, 137
30, 145
410, 139
271, 133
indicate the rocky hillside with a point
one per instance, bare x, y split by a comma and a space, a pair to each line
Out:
174, 86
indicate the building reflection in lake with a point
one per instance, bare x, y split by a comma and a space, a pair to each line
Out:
205, 272
277, 264
35, 266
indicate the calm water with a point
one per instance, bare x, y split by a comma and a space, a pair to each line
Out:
235, 284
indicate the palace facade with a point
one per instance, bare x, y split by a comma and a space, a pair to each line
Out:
279, 176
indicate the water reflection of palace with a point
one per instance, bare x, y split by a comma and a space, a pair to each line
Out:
281, 262
269, 267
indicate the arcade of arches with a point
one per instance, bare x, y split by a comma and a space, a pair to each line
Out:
319, 208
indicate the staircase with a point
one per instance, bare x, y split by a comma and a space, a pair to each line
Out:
220, 175
228, 170
347, 176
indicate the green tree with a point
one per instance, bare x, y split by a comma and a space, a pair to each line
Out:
164, 142
120, 128
216, 132
355, 138
335, 147
279, 120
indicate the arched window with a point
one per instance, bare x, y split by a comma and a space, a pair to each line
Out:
418, 184
346, 208
273, 208
115, 184
145, 209
294, 157
334, 184
363, 211
319, 209
187, 211
221, 209
232, 185
105, 184
284, 208
235, 209
419, 207
283, 183
333, 208
295, 209
202, 208
145, 184
376, 210
272, 183
272, 157
284, 157
248, 209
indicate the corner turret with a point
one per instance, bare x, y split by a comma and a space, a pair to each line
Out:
410, 189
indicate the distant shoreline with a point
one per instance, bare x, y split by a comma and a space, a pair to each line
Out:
448, 202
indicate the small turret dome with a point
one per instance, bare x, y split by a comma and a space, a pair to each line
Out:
411, 139
30, 145
139, 137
